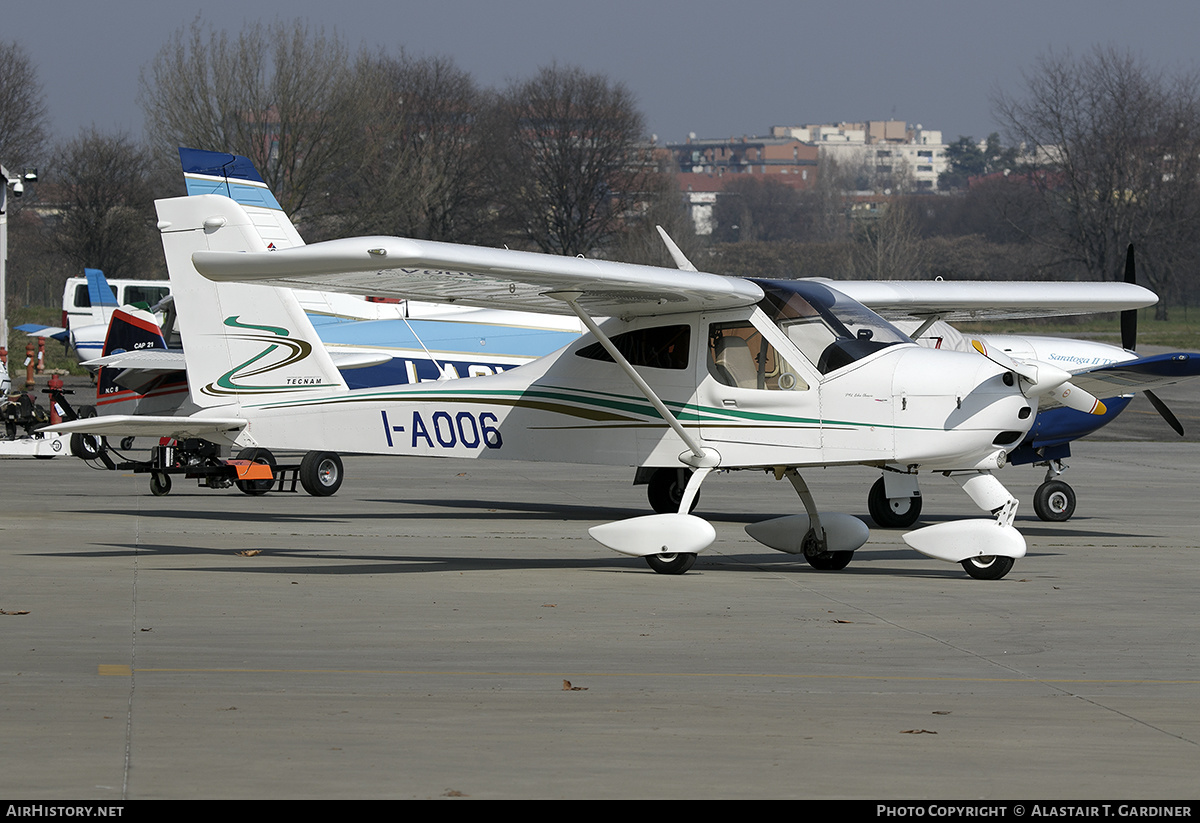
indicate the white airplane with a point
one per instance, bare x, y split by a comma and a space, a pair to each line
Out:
691, 370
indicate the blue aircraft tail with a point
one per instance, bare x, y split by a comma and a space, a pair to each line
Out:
99, 292
215, 172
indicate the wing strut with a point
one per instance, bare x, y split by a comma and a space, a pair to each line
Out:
702, 457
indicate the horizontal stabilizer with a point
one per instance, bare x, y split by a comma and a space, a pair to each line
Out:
656, 534
173, 359
34, 330
843, 533
153, 359
136, 425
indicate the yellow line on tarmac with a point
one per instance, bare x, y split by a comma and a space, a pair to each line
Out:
126, 671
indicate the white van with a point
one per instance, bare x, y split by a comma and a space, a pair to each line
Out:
77, 304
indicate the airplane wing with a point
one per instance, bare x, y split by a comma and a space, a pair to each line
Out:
476, 276
136, 425
1143, 374
991, 300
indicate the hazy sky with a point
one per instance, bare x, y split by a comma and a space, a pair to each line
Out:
716, 69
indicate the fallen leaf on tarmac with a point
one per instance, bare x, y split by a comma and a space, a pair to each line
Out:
455, 793
249, 552
19, 611
461, 474
567, 687
549, 605
917, 731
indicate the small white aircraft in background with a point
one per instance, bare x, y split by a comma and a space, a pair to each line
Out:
691, 370
895, 499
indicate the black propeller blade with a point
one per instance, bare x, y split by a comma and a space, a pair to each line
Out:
1129, 317
1129, 342
1167, 414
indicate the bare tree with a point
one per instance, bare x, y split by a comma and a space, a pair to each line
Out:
888, 247
424, 171
105, 209
661, 204
570, 162
284, 96
752, 207
1119, 148
22, 109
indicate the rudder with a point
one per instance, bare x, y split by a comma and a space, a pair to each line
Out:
246, 344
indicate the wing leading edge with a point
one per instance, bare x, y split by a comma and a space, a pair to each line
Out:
476, 276
957, 301
1143, 374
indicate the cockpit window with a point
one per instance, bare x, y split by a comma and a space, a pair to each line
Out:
831, 329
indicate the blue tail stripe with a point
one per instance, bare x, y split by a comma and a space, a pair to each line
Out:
99, 292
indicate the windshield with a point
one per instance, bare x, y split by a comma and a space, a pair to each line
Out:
831, 329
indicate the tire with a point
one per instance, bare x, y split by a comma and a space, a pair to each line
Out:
829, 561
160, 484
988, 567
256, 487
1054, 501
87, 446
892, 514
671, 563
321, 473
665, 492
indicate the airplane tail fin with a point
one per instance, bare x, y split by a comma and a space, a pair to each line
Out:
130, 329
246, 344
99, 292
215, 172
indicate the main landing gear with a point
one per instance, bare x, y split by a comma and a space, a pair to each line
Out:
665, 490
894, 512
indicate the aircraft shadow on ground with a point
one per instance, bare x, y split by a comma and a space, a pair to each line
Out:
326, 553
317, 561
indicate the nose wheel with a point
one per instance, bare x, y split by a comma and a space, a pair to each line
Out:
1054, 501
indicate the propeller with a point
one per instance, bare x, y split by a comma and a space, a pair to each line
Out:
1129, 316
1129, 319
1039, 378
